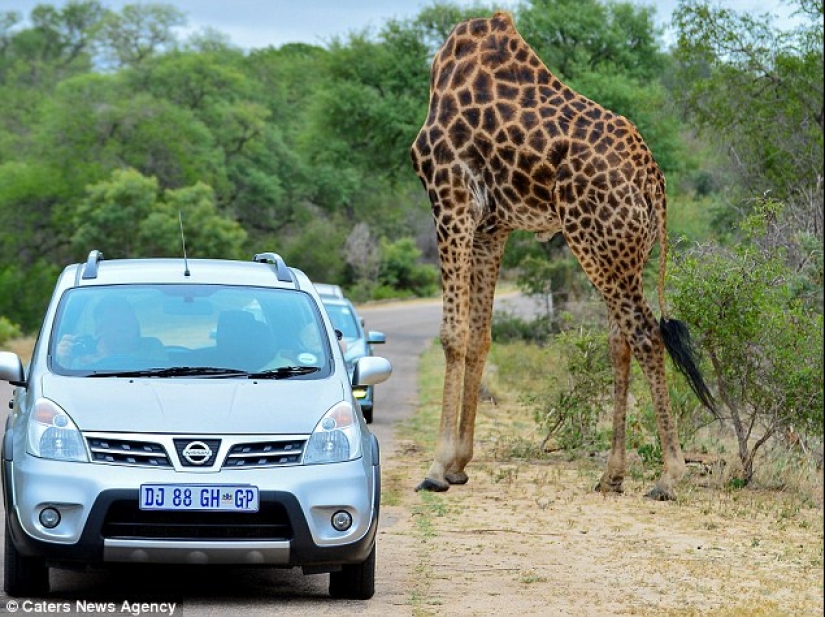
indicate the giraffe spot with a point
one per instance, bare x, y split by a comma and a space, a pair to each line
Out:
506, 111
511, 195
527, 161
482, 88
460, 133
521, 182
515, 134
447, 110
490, 121
493, 53
537, 141
426, 169
508, 155
472, 115
529, 120
465, 97
528, 98
505, 91
464, 47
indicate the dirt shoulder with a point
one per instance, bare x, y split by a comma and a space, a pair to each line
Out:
533, 538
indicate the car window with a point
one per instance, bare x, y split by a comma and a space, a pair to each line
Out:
343, 318
136, 327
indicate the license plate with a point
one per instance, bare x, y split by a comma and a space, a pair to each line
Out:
199, 497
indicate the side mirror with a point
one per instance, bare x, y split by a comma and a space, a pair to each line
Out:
374, 337
11, 368
371, 370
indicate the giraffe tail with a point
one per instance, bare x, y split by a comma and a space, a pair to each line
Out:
675, 334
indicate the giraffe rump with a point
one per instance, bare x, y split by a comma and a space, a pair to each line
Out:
680, 348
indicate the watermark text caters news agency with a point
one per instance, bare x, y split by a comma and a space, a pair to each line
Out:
135, 609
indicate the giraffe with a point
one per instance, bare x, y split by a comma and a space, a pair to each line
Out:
507, 146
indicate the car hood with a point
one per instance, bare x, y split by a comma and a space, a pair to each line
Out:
185, 405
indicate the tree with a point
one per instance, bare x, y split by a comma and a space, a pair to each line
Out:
757, 92
577, 37
763, 341
363, 255
127, 216
140, 32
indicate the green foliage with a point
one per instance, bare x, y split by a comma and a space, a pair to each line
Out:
316, 247
756, 92
400, 270
576, 37
507, 328
764, 342
8, 330
25, 292
570, 408
126, 217
301, 144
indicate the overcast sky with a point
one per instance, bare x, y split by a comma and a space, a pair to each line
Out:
261, 23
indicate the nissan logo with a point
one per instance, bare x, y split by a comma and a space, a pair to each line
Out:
197, 452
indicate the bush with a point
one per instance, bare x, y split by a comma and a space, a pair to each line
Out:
507, 328
8, 330
762, 338
570, 410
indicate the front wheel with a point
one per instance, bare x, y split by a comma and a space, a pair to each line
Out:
23, 576
354, 581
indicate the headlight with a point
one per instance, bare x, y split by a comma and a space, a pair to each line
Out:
336, 438
52, 434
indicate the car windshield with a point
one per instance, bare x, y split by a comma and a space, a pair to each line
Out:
211, 331
344, 319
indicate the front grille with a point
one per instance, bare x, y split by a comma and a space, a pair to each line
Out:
208, 448
128, 452
124, 520
265, 453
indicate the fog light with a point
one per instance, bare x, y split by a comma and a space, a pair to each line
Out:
359, 392
49, 518
342, 520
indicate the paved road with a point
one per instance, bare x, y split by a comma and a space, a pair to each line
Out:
410, 327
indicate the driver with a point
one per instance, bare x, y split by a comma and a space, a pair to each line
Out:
117, 333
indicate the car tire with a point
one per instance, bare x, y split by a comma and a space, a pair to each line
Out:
354, 581
23, 576
367, 411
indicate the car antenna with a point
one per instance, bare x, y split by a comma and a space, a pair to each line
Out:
183, 243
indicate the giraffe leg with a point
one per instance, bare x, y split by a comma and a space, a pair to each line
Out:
455, 258
486, 259
641, 331
613, 476
453, 342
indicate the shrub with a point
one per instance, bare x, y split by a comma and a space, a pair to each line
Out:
762, 338
8, 330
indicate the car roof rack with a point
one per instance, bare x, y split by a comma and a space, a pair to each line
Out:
280, 265
90, 269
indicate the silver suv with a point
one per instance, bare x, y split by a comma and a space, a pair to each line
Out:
192, 412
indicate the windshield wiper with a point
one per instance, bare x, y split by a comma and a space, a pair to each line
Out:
174, 371
283, 372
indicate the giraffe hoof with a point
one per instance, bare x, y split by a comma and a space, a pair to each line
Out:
657, 493
457, 477
432, 486
608, 487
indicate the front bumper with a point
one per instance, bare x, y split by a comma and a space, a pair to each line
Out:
101, 522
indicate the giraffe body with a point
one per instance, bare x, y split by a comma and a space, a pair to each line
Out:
507, 146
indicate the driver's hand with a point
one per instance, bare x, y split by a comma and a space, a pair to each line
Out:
64, 347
